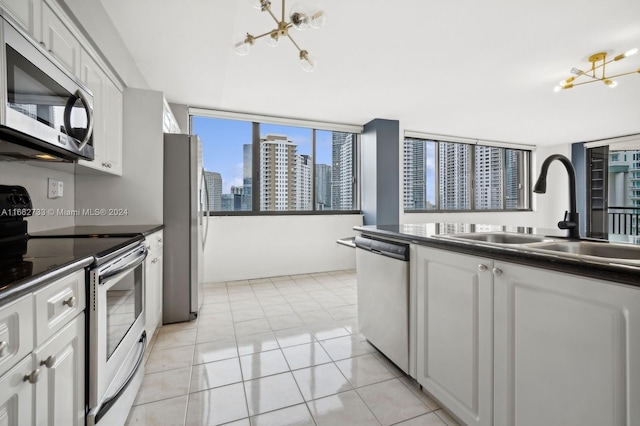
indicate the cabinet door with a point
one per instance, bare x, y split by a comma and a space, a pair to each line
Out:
454, 332
60, 42
114, 109
16, 395
567, 350
60, 390
26, 13
94, 78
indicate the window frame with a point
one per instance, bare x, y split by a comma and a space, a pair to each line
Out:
314, 126
524, 176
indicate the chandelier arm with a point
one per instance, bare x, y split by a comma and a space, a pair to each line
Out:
273, 16
262, 35
624, 73
283, 2
294, 43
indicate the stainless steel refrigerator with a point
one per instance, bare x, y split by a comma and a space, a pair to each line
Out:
185, 232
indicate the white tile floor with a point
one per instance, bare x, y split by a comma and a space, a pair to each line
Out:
278, 351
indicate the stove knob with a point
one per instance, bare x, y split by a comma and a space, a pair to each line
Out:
14, 199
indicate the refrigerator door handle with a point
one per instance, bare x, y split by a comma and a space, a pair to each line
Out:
204, 227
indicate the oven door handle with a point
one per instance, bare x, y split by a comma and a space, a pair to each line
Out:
107, 276
109, 402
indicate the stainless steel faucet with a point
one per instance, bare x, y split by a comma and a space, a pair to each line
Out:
571, 221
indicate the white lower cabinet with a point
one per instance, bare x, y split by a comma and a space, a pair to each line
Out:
153, 282
45, 385
567, 349
455, 332
59, 397
16, 395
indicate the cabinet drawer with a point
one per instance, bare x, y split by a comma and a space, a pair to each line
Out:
58, 303
16, 332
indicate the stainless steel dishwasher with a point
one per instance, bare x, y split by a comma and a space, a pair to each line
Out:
383, 297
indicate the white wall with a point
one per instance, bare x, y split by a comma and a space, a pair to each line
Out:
140, 188
34, 179
245, 247
548, 209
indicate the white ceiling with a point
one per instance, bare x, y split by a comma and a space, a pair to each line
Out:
477, 69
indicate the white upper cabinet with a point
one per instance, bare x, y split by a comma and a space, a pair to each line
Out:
25, 13
107, 114
60, 41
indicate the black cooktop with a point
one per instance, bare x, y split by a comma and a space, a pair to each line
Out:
98, 231
28, 258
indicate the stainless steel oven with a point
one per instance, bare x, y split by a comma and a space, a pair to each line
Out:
45, 113
117, 339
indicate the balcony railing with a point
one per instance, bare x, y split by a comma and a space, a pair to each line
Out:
624, 220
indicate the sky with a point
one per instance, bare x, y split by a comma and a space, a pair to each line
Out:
222, 142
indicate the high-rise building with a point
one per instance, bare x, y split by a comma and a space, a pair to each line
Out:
247, 181
454, 176
214, 185
323, 187
341, 171
511, 181
415, 153
488, 173
303, 182
278, 173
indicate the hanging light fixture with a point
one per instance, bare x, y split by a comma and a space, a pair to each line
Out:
301, 17
597, 72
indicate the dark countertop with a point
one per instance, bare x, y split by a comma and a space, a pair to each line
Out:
427, 234
28, 264
102, 231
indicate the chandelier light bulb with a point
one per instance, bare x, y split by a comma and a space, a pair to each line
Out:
557, 88
630, 52
243, 47
611, 83
300, 16
318, 19
576, 71
307, 61
273, 40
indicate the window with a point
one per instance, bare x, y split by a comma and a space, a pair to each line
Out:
448, 176
260, 167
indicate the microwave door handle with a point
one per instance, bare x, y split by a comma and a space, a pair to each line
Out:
104, 278
102, 409
67, 116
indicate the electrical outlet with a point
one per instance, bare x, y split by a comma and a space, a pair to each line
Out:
55, 189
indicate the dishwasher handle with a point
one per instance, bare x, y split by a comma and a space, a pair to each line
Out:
391, 249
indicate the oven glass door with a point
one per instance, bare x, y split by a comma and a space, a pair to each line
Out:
33, 93
124, 307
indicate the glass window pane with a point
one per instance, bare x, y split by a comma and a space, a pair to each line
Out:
516, 179
419, 174
334, 170
285, 168
226, 152
488, 177
454, 177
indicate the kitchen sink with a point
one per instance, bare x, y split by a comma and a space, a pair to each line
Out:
593, 249
500, 237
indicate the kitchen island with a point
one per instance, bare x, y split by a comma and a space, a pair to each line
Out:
504, 330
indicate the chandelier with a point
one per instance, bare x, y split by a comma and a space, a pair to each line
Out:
301, 18
597, 72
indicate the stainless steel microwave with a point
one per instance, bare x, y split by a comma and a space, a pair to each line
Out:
45, 113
